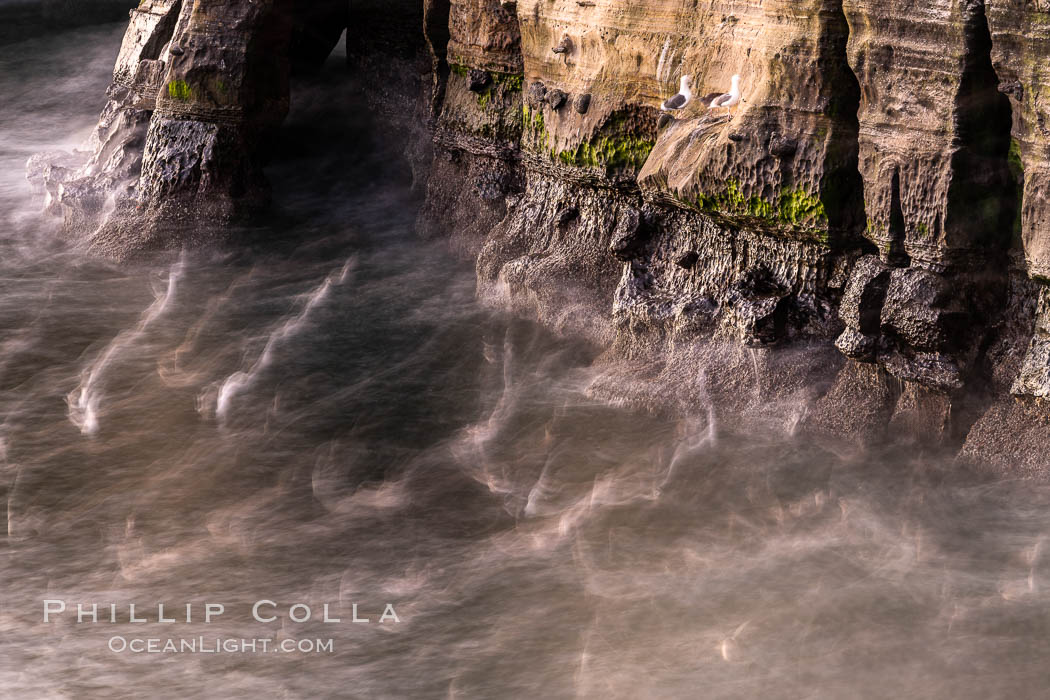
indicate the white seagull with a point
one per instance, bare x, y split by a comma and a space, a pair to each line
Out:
680, 100
728, 100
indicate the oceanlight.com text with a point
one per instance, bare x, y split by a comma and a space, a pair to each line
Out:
218, 645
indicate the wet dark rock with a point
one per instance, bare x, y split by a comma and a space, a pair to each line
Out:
537, 95
758, 307
931, 369
856, 345
915, 309
861, 307
566, 216
760, 322
1034, 377
491, 186
556, 98
627, 235
782, 146
687, 260
582, 103
479, 80
758, 283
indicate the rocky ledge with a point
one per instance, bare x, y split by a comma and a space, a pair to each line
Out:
861, 246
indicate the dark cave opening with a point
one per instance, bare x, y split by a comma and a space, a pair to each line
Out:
844, 186
316, 30
896, 254
983, 200
437, 33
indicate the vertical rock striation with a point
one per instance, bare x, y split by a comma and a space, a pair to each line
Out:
939, 195
1021, 44
934, 131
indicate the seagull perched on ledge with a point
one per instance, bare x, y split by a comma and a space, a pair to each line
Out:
728, 100
679, 101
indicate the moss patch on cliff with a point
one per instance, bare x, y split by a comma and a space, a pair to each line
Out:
732, 201
492, 112
796, 208
533, 121
1014, 160
508, 82
179, 90
799, 208
616, 146
500, 83
513, 82
617, 152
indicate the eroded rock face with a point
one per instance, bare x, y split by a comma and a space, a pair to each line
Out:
1020, 44
934, 141
485, 36
1033, 379
478, 124
940, 198
195, 88
862, 243
221, 90
787, 161
861, 120
83, 186
861, 309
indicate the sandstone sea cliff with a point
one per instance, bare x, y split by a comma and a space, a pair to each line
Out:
863, 245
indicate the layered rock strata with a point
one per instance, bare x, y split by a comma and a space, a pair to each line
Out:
866, 192
857, 247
